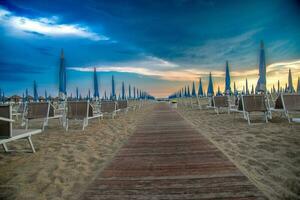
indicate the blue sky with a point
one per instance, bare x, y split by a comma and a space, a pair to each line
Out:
158, 46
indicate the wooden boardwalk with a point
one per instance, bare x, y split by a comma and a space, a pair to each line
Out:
168, 159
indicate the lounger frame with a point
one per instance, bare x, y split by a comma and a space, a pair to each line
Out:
87, 116
24, 134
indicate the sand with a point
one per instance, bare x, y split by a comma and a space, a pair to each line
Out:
65, 162
269, 154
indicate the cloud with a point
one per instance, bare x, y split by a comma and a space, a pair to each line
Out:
275, 71
47, 26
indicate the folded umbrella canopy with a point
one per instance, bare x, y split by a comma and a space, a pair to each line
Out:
261, 83
35, 93
227, 80
200, 89
210, 88
96, 87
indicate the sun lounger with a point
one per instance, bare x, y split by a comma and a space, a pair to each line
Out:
8, 134
109, 107
233, 102
289, 104
203, 102
220, 102
40, 110
253, 104
82, 111
17, 109
122, 105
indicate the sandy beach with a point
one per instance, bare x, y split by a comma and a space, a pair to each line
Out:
65, 162
269, 154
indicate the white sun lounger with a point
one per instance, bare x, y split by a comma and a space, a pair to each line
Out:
291, 105
220, 102
253, 104
109, 107
40, 110
122, 105
8, 134
81, 110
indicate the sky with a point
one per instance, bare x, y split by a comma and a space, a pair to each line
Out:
157, 46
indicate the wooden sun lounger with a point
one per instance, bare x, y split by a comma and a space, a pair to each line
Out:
219, 102
81, 110
251, 104
40, 110
109, 107
8, 134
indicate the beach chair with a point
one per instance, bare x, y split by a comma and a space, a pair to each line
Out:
233, 101
253, 104
289, 104
40, 110
109, 107
8, 134
220, 102
17, 110
81, 111
122, 105
203, 102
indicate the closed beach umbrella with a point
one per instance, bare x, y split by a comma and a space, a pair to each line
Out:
188, 91
247, 88
77, 94
35, 93
113, 88
134, 92
89, 95
227, 80
219, 93
200, 89
234, 89
290, 87
261, 83
26, 94
46, 96
210, 88
62, 77
105, 96
193, 90
129, 91
123, 90
252, 89
96, 87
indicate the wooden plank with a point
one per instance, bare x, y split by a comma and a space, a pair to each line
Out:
168, 159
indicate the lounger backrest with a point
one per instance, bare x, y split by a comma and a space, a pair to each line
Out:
5, 127
220, 101
291, 102
122, 104
232, 100
254, 103
38, 110
203, 101
108, 106
21, 108
278, 103
79, 110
